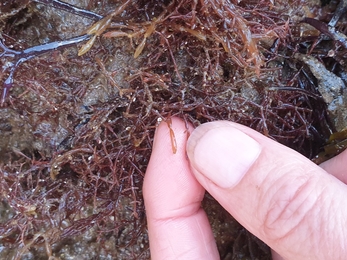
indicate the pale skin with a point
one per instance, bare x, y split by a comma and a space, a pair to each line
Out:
294, 206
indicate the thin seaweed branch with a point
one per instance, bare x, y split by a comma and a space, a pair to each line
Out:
327, 30
340, 10
29, 53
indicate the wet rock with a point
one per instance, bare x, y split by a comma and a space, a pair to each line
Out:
331, 87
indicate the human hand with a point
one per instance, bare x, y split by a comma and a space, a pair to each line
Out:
293, 205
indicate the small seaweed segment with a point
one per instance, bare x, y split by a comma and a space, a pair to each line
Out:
99, 27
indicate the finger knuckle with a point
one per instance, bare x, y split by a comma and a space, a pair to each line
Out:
291, 207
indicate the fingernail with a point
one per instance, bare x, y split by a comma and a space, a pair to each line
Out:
222, 153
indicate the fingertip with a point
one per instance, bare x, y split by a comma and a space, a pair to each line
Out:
235, 150
177, 226
168, 183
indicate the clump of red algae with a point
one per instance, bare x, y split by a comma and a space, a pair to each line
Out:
93, 117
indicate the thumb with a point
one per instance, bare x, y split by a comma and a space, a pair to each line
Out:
280, 196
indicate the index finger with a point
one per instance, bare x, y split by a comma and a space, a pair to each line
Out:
178, 228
